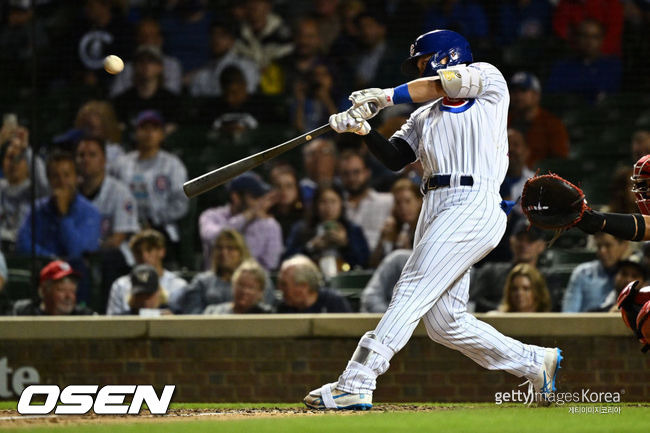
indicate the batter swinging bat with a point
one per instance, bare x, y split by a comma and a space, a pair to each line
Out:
214, 178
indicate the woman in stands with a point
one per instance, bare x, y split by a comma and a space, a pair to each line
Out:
525, 291
327, 236
214, 286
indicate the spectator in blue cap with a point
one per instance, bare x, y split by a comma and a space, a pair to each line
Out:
544, 132
247, 211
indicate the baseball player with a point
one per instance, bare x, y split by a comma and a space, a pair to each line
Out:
460, 137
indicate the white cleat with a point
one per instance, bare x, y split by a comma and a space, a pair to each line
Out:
544, 383
328, 397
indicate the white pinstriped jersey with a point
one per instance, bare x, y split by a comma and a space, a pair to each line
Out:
466, 138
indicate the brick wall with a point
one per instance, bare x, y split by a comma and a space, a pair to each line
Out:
283, 369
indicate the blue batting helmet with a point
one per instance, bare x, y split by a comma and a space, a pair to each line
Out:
441, 44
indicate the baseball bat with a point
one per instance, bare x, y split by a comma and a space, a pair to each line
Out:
221, 175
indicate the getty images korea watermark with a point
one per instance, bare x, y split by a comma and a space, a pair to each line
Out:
591, 402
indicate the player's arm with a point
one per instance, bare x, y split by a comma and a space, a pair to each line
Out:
632, 227
456, 82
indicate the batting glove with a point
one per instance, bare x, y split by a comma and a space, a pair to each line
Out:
346, 122
382, 98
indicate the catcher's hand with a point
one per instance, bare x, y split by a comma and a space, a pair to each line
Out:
551, 202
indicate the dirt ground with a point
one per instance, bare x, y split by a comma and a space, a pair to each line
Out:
11, 418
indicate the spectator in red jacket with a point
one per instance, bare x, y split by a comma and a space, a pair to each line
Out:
570, 13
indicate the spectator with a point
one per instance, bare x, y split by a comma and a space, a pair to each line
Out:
237, 112
148, 34
98, 119
518, 172
379, 291
591, 282
156, 177
315, 99
544, 132
308, 53
67, 225
523, 20
247, 212
365, 207
464, 16
288, 207
57, 291
101, 31
487, 282
525, 291
588, 72
186, 27
622, 198
328, 237
206, 81
15, 188
21, 37
3, 272
147, 91
640, 143
248, 284
302, 289
146, 298
319, 160
326, 15
628, 270
375, 64
214, 286
148, 247
111, 197
398, 231
263, 37
569, 14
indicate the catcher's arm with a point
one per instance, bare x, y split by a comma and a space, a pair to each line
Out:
631, 227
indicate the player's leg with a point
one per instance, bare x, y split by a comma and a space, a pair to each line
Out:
449, 324
452, 241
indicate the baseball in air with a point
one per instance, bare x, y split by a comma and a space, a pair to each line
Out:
113, 64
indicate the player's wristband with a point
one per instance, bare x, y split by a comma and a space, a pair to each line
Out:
624, 226
401, 95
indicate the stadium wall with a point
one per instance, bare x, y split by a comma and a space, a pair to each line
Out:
280, 358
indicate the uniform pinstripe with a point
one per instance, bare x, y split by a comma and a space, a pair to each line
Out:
458, 226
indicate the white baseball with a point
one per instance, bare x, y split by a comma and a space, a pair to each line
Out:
113, 64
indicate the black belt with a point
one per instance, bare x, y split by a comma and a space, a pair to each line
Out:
441, 180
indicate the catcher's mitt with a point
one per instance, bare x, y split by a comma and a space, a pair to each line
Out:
551, 202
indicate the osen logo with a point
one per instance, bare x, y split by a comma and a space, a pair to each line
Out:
80, 399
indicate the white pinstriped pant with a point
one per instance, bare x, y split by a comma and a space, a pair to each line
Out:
457, 228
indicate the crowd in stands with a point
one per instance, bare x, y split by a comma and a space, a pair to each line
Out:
92, 165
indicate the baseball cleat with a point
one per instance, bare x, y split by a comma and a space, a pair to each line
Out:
544, 383
328, 397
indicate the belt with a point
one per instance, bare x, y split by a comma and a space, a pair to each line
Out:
441, 180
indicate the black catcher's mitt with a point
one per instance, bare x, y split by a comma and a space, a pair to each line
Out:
551, 202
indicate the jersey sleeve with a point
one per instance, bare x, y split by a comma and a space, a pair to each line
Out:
495, 88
